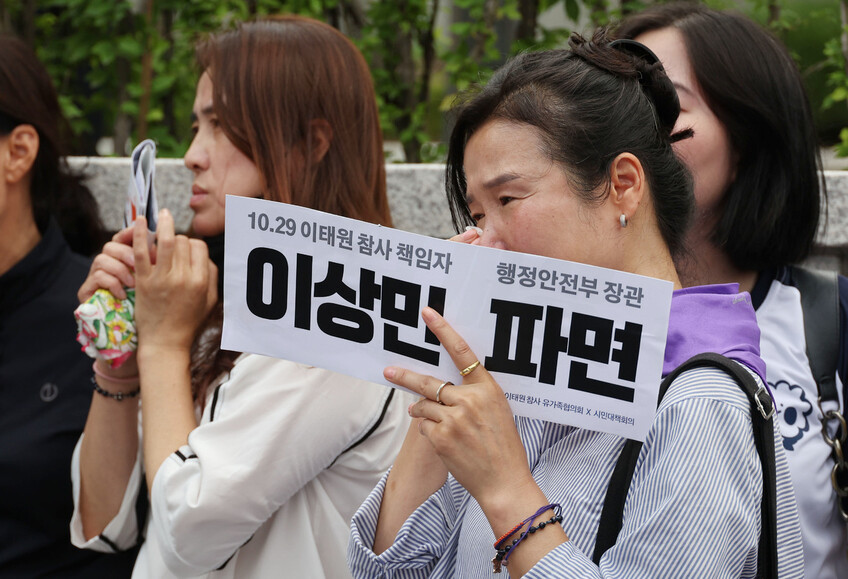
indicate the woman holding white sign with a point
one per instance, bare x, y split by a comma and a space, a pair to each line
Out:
255, 465
568, 154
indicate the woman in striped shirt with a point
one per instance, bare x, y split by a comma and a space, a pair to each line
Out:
568, 154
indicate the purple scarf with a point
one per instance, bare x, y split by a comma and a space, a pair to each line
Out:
713, 318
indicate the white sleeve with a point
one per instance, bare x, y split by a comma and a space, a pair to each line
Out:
122, 532
267, 431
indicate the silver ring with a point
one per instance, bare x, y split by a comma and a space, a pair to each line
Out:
439, 391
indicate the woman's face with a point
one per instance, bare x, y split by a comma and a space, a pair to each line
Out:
708, 154
522, 200
219, 168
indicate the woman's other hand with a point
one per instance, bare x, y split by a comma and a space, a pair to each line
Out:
112, 269
471, 236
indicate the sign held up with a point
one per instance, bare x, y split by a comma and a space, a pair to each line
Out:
567, 342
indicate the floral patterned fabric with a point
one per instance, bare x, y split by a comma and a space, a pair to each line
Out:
106, 327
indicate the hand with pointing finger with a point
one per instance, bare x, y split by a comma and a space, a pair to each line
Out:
469, 425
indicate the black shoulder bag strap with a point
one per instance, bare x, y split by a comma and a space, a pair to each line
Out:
820, 304
761, 416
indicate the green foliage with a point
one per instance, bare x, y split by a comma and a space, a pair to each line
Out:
422, 54
94, 49
837, 79
572, 10
837, 82
806, 41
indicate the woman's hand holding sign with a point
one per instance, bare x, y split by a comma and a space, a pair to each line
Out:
470, 429
470, 425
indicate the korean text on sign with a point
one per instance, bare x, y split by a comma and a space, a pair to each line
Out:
568, 342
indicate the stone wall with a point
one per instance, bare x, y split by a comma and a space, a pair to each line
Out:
416, 195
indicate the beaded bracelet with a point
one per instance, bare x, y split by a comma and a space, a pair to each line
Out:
501, 558
511, 532
119, 396
529, 519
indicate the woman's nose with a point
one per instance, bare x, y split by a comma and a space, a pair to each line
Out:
195, 158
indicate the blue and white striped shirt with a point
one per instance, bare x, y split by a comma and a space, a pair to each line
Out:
693, 508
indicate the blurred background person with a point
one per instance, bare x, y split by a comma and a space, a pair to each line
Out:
758, 192
48, 225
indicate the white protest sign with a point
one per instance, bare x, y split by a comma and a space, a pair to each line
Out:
567, 342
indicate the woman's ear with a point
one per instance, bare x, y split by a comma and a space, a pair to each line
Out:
322, 136
21, 150
628, 184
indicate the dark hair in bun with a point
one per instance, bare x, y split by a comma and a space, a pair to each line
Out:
654, 81
590, 103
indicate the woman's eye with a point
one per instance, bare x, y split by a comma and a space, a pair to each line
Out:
477, 217
505, 200
194, 129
